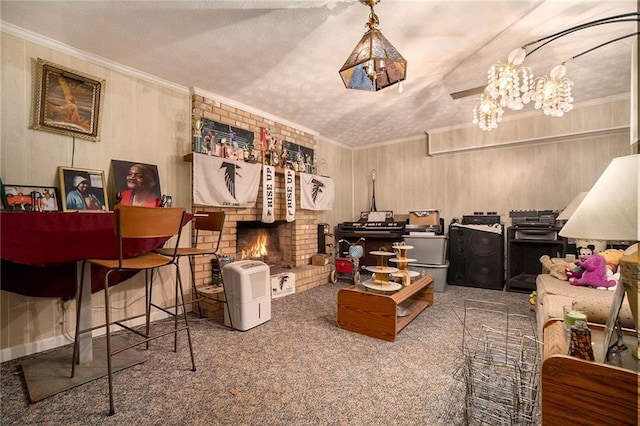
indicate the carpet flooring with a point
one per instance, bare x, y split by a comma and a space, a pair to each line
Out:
299, 368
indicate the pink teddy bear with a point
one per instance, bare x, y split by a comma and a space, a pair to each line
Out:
594, 273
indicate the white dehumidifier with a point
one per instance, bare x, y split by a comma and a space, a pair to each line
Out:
247, 286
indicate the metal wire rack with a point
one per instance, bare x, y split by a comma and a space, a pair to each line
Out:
499, 366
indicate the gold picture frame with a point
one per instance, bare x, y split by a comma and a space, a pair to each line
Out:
67, 102
92, 196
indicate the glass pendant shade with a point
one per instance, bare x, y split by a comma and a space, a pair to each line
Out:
374, 64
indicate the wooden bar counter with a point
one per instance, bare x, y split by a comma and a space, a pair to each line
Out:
375, 314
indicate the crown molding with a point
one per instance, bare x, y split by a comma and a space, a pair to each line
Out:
250, 109
81, 54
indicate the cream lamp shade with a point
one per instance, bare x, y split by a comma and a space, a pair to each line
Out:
609, 211
571, 208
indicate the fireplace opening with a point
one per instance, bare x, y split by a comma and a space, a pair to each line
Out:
267, 242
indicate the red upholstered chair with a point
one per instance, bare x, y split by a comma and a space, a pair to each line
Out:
140, 222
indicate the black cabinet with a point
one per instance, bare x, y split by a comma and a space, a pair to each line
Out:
525, 246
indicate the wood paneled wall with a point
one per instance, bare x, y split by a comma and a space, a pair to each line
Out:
540, 170
143, 121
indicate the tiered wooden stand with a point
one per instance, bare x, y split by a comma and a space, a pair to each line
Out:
375, 315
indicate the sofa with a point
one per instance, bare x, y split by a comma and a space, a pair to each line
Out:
552, 294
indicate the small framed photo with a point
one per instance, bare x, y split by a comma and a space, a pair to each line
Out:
82, 189
67, 102
30, 198
135, 184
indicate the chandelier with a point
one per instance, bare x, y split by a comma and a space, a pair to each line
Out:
512, 85
487, 113
553, 93
374, 63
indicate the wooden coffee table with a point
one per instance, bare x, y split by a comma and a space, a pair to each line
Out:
376, 315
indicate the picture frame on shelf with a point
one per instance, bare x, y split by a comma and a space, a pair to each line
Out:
135, 183
82, 189
30, 198
67, 102
612, 319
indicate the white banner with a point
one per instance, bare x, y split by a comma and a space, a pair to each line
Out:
268, 193
316, 192
222, 182
290, 194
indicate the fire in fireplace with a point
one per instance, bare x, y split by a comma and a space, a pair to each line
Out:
266, 242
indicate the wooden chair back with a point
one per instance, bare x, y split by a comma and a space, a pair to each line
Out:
148, 222
209, 221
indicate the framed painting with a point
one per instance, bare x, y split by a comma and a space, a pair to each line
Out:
67, 102
136, 184
82, 189
30, 198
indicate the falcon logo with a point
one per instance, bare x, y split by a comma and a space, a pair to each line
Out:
317, 189
230, 173
283, 280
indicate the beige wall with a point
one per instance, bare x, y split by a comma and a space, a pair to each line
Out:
143, 121
542, 166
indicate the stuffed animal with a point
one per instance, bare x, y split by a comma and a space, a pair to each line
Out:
575, 270
595, 273
612, 257
556, 267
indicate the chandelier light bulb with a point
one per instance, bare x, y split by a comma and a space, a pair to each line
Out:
487, 113
511, 84
553, 92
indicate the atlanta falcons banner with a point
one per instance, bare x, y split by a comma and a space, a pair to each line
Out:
222, 182
268, 193
290, 194
316, 192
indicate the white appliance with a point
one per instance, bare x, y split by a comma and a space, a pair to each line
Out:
248, 292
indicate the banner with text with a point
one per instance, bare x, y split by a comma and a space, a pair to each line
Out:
290, 194
268, 193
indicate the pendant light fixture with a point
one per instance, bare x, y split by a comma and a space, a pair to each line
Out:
374, 64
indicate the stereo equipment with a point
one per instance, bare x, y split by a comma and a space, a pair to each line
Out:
476, 257
480, 218
529, 218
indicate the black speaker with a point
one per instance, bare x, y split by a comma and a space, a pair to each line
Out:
476, 258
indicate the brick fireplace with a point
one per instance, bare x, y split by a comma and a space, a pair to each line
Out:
301, 241
298, 242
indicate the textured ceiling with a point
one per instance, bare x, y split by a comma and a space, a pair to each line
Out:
282, 57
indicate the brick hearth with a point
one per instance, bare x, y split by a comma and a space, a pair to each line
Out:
303, 242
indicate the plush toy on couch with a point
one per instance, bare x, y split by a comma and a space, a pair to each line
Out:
556, 267
594, 272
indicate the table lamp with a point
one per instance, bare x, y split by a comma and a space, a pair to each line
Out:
609, 211
598, 245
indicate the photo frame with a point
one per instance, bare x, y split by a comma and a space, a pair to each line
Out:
30, 198
67, 102
135, 183
82, 189
614, 312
